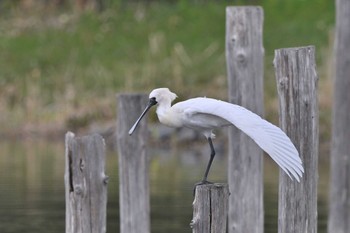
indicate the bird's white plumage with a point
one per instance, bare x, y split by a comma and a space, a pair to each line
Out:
206, 114
268, 136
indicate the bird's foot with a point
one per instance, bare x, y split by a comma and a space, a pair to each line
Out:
200, 183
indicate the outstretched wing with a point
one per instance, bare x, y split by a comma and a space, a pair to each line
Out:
268, 136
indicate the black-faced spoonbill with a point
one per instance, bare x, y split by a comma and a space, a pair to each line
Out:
206, 114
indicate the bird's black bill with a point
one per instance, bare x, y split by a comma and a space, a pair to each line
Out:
152, 101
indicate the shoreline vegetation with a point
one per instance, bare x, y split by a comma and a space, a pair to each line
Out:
61, 68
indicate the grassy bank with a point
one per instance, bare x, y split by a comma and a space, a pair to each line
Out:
60, 68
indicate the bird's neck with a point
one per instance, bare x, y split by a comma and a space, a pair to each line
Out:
165, 116
163, 108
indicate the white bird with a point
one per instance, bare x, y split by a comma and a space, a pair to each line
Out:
206, 114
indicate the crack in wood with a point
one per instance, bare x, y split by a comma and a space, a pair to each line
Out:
70, 168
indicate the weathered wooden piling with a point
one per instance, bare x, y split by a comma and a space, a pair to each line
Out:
245, 62
85, 184
296, 79
210, 207
134, 195
339, 198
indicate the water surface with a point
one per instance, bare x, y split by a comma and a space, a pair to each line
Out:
32, 188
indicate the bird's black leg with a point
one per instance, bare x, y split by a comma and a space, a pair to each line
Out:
212, 155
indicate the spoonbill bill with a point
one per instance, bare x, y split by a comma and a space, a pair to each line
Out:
206, 114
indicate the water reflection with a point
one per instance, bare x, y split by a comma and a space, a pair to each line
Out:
32, 189
31, 196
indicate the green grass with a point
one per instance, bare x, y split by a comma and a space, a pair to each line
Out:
60, 66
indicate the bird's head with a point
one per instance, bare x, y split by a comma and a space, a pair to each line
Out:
159, 95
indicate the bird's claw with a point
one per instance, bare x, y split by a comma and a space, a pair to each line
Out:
200, 183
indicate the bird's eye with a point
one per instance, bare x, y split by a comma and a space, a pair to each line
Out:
153, 100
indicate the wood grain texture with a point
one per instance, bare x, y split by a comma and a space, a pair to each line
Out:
85, 184
210, 208
297, 80
244, 58
134, 197
339, 202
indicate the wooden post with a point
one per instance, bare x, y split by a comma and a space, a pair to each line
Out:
296, 79
134, 195
339, 215
244, 58
85, 184
210, 207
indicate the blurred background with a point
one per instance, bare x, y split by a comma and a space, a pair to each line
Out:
62, 62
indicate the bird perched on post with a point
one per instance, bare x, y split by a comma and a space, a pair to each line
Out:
206, 114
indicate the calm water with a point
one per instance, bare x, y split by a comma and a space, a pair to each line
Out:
32, 189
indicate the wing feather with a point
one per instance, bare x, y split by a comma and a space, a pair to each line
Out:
268, 136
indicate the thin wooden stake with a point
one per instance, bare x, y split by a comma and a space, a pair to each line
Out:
297, 91
85, 184
339, 198
134, 195
210, 209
